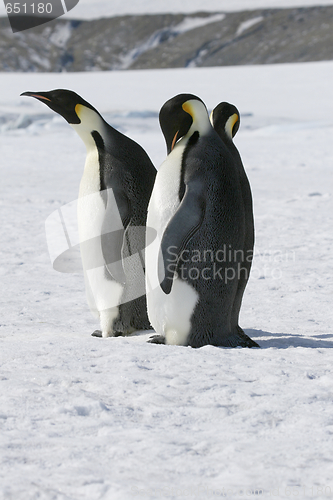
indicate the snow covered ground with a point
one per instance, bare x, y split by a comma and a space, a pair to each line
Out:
87, 418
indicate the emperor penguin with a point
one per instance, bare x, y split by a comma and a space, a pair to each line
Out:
197, 210
114, 192
225, 119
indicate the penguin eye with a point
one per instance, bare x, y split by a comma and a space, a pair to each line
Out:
65, 101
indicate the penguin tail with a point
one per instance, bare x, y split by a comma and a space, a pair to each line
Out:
235, 339
243, 340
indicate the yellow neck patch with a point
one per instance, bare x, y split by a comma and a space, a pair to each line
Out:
188, 108
230, 124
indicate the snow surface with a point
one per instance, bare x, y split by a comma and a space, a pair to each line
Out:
248, 24
87, 418
94, 9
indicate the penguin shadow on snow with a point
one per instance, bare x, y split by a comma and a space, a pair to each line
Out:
286, 340
270, 340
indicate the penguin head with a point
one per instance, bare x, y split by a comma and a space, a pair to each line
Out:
225, 119
66, 103
182, 115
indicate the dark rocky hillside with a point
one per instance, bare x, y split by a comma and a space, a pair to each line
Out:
171, 41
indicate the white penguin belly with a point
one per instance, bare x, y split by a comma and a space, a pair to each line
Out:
103, 294
169, 314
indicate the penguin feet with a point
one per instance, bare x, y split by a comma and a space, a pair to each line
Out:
97, 333
156, 339
119, 334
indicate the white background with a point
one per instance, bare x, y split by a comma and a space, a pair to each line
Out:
115, 419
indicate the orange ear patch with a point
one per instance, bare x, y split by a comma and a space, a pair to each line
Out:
188, 108
78, 108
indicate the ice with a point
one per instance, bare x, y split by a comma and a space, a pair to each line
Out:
248, 24
190, 23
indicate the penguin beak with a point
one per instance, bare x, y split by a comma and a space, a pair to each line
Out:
40, 96
174, 140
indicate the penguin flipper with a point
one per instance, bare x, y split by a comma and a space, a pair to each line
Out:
183, 225
112, 241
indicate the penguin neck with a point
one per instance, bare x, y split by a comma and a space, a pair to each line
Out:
225, 136
91, 122
200, 124
200, 118
228, 128
93, 131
